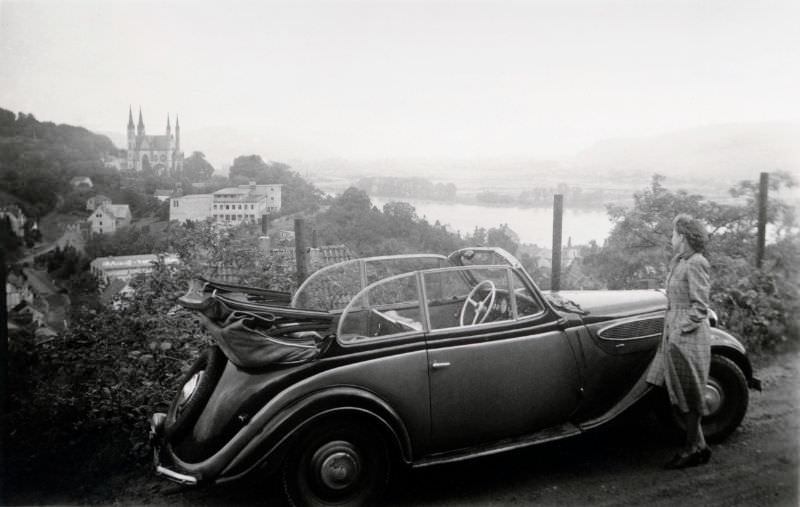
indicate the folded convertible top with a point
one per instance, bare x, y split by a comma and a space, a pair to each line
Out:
255, 327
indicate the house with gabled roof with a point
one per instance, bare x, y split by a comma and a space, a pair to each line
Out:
108, 218
96, 201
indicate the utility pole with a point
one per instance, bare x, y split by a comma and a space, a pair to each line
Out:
558, 213
762, 218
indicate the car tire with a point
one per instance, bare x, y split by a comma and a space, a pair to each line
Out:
342, 462
180, 418
727, 395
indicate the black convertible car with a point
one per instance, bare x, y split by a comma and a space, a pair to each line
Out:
412, 360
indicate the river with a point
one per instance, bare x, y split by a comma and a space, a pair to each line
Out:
533, 225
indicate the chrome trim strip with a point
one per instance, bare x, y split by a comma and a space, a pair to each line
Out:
564, 431
175, 476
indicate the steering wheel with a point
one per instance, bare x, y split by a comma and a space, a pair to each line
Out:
481, 308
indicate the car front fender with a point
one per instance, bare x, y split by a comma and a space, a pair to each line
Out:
727, 345
274, 440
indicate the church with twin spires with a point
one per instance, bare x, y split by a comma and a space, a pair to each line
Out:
160, 154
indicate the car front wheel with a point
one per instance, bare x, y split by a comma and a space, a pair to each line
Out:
342, 463
726, 398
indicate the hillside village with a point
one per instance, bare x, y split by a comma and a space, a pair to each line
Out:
148, 185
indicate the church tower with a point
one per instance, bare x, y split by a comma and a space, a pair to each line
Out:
159, 154
140, 127
131, 138
177, 134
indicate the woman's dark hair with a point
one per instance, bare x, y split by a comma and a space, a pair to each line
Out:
693, 230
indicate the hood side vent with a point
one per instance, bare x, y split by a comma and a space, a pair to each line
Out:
630, 330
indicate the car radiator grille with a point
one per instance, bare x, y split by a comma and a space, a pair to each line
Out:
635, 329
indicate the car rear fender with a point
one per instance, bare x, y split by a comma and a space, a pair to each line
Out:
270, 446
725, 344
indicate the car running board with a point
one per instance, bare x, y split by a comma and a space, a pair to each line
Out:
548, 435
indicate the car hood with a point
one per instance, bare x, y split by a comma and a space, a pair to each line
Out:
596, 304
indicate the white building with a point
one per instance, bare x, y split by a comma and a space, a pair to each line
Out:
97, 201
232, 205
126, 266
81, 182
108, 218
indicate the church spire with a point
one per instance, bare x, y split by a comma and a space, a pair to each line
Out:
130, 117
177, 133
140, 127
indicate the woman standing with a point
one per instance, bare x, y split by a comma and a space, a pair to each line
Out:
684, 355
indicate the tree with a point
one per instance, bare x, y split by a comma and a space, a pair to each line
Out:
296, 194
757, 304
196, 168
504, 237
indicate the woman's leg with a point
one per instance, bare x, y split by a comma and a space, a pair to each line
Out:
694, 432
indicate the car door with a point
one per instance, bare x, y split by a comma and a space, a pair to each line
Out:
511, 375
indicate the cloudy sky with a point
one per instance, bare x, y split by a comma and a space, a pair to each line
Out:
376, 78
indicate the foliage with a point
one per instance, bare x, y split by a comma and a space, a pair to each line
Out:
126, 241
296, 194
353, 220
759, 304
576, 196
418, 188
9, 241
196, 168
39, 158
114, 366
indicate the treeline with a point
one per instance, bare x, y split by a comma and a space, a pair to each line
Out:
37, 159
418, 188
543, 197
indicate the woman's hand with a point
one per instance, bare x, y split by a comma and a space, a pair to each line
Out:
689, 326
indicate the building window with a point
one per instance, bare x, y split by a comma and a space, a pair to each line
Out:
227, 206
215, 206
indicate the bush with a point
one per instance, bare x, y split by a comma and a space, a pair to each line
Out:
95, 386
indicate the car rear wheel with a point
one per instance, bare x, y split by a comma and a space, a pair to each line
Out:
726, 397
340, 463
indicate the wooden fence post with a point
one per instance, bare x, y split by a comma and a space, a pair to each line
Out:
762, 218
558, 212
300, 249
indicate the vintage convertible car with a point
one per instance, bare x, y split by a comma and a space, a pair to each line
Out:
412, 360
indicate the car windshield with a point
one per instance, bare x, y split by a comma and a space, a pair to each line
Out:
333, 287
434, 299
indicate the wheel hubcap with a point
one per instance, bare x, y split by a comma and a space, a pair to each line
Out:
337, 464
713, 396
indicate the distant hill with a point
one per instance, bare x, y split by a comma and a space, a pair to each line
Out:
728, 152
38, 159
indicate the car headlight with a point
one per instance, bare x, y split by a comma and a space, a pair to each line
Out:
189, 388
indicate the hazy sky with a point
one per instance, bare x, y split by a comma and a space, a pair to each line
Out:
391, 79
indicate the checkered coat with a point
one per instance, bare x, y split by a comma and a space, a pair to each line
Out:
684, 354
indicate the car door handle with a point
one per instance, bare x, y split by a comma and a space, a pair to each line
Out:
436, 365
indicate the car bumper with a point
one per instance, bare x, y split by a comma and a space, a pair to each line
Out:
162, 461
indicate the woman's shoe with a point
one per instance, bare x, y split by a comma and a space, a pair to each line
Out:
692, 459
